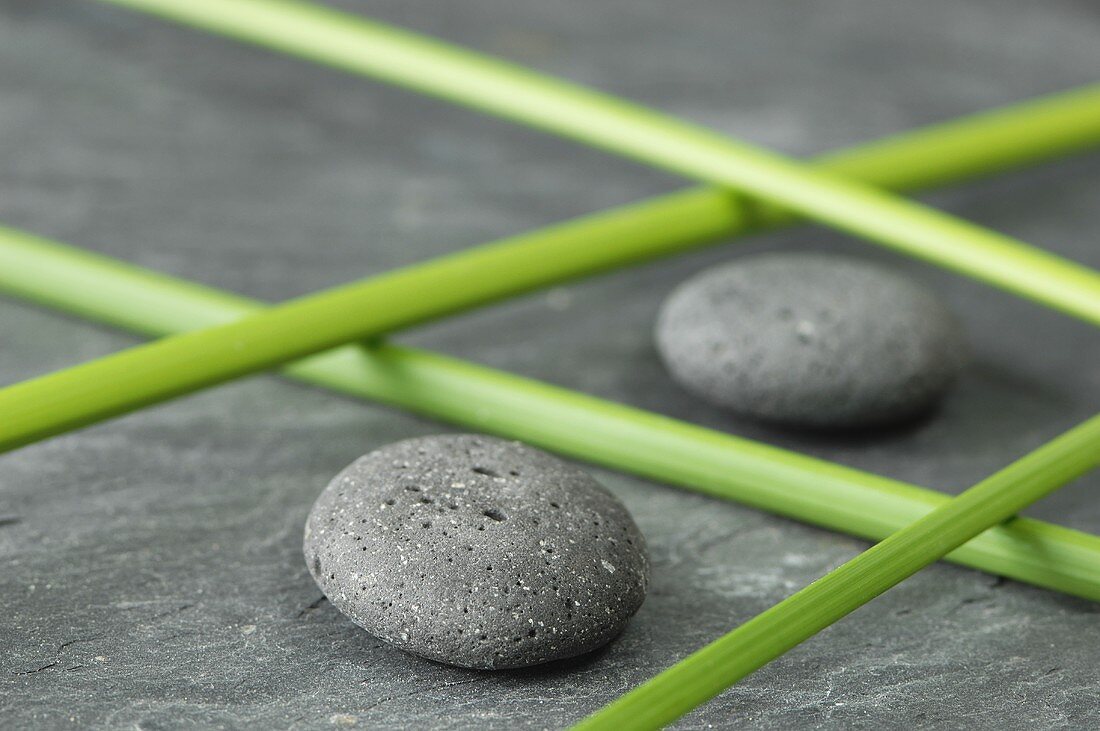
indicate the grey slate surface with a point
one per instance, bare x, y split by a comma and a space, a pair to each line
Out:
154, 578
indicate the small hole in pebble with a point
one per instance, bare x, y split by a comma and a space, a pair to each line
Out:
532, 633
514, 473
481, 527
486, 471
412, 488
494, 514
554, 505
391, 501
487, 568
426, 524
426, 500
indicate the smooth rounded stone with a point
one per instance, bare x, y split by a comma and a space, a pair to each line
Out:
811, 340
477, 552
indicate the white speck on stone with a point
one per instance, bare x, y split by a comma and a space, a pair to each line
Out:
343, 719
610, 568
806, 330
248, 629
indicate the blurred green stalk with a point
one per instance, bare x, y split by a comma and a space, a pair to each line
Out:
148, 374
358, 45
574, 424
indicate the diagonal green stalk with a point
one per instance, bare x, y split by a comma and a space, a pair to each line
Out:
148, 374
366, 47
574, 424
722, 663
977, 145
170, 367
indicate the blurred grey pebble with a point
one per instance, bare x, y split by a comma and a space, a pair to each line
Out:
477, 552
811, 340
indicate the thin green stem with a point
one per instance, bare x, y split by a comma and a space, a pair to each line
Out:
155, 372
366, 47
722, 663
616, 436
147, 374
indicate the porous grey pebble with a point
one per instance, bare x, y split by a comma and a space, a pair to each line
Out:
477, 552
811, 340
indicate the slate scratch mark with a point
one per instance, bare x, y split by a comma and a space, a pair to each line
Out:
169, 613
78, 640
420, 691
312, 607
35, 670
60, 649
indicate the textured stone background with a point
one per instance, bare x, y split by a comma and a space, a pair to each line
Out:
154, 577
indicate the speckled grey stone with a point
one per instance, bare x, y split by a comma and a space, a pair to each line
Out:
811, 340
477, 552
